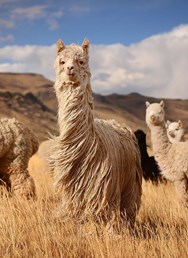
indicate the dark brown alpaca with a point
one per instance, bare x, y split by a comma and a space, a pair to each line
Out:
150, 168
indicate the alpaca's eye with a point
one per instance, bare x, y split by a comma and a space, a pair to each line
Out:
61, 61
81, 62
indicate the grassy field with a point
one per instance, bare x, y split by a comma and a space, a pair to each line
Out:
29, 229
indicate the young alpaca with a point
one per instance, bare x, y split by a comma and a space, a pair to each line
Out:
175, 131
18, 144
172, 158
96, 162
150, 167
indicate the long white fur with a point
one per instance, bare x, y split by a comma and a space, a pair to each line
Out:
96, 163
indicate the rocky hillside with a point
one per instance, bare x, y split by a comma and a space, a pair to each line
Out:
31, 99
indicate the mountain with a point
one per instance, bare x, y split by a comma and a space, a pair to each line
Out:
31, 99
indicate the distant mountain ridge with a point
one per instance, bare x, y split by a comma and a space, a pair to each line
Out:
30, 98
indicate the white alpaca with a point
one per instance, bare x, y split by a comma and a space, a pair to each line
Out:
18, 145
96, 162
172, 158
175, 131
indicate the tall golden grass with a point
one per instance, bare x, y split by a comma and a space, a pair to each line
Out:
29, 229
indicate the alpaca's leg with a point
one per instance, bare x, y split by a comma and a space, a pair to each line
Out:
130, 209
131, 199
182, 190
22, 184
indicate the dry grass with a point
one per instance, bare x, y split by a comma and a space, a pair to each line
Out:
29, 229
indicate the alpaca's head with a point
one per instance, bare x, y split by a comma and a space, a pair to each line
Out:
72, 64
175, 131
155, 114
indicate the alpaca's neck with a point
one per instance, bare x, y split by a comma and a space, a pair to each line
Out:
75, 114
160, 141
143, 151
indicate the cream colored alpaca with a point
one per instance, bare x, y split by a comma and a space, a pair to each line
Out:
175, 131
18, 144
172, 158
96, 162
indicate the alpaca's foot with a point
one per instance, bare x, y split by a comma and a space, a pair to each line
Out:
25, 189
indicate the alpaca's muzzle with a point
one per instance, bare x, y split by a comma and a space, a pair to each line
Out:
171, 133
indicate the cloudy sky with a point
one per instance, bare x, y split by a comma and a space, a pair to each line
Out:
136, 45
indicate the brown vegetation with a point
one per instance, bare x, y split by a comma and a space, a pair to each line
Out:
30, 230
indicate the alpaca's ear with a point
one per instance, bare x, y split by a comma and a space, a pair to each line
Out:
147, 104
162, 103
85, 45
180, 123
60, 46
167, 123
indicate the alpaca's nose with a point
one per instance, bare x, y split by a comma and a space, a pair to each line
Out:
70, 67
171, 133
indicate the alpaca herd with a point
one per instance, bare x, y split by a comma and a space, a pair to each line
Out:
171, 157
97, 165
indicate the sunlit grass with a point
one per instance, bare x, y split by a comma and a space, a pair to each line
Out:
29, 229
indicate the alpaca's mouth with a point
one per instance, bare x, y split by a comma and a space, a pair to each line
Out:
70, 74
153, 119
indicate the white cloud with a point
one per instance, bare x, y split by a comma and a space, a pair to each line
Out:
32, 13
53, 24
57, 14
37, 59
156, 66
7, 38
29, 13
52, 19
7, 23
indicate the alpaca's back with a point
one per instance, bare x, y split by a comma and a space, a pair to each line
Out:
14, 133
124, 160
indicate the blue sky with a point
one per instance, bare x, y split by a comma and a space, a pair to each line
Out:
136, 45
102, 21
